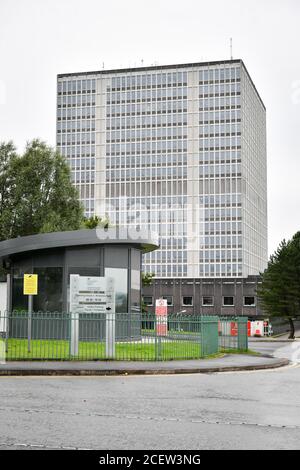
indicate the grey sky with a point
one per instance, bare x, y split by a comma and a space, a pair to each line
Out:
41, 38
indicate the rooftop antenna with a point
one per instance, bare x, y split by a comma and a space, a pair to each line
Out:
103, 65
231, 57
142, 61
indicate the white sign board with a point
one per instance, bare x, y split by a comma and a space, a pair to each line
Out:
88, 295
3, 306
161, 312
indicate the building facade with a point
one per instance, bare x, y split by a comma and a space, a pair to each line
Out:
178, 149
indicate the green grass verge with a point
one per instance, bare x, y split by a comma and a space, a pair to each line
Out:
127, 351
59, 350
239, 351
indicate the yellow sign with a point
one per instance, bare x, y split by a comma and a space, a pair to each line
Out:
30, 284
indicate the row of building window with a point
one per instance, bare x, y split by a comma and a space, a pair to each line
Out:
228, 128
232, 141
164, 172
220, 270
146, 95
76, 113
171, 79
215, 116
137, 161
149, 80
220, 170
158, 107
75, 126
220, 241
147, 121
83, 177
216, 156
220, 199
220, 256
78, 151
167, 270
234, 228
76, 86
219, 74
231, 117
77, 100
207, 301
179, 270
146, 173
133, 148
219, 102
149, 202
82, 164
76, 139
146, 134
218, 88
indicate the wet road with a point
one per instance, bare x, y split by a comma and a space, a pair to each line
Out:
238, 410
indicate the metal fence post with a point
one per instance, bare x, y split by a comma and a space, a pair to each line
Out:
30, 303
242, 333
157, 339
8, 307
201, 337
110, 335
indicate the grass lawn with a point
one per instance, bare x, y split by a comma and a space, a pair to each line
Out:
239, 351
134, 350
59, 350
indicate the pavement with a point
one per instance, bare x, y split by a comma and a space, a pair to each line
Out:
225, 363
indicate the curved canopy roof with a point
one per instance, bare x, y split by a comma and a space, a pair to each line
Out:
111, 236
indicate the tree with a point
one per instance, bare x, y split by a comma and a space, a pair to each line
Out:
36, 192
146, 281
95, 221
279, 292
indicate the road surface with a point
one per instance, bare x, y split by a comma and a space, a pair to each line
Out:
232, 410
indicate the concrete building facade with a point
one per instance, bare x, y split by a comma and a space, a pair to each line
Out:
177, 149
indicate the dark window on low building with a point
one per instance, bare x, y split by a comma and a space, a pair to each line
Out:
228, 301
207, 300
50, 294
169, 299
148, 300
187, 301
249, 301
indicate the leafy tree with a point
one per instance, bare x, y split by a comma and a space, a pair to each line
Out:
95, 221
279, 292
36, 192
147, 279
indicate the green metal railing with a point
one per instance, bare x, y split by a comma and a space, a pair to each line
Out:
123, 336
233, 334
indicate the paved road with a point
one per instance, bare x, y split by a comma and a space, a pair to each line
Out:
240, 410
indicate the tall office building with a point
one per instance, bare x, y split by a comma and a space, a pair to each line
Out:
183, 149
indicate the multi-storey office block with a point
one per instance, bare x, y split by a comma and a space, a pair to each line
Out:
180, 149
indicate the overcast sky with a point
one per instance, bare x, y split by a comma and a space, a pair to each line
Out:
41, 38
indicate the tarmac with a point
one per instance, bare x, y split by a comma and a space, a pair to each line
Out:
224, 363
